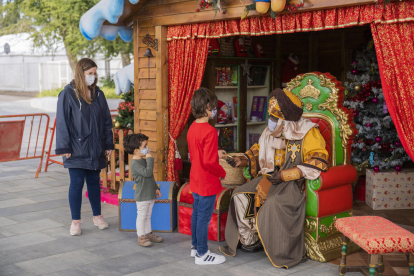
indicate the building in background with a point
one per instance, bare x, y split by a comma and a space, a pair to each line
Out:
29, 69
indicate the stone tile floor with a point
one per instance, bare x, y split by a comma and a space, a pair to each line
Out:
35, 240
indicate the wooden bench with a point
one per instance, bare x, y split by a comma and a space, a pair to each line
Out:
377, 236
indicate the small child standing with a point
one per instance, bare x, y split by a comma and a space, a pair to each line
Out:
146, 189
205, 173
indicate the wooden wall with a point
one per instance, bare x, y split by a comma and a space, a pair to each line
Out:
151, 93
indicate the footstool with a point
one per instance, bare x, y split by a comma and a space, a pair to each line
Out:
377, 236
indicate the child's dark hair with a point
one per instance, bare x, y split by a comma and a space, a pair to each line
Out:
201, 98
134, 141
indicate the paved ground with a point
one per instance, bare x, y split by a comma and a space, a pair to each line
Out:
35, 240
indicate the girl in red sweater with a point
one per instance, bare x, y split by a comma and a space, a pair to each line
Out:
205, 174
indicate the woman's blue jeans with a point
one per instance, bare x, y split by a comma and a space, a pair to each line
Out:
77, 179
203, 208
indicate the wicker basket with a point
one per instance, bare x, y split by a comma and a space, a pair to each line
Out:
234, 176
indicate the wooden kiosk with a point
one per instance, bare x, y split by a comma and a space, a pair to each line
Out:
327, 51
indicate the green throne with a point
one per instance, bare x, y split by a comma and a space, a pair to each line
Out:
330, 196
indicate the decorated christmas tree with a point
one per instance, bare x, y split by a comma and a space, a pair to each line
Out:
124, 121
377, 144
125, 117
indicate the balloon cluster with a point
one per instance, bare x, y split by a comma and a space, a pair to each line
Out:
366, 91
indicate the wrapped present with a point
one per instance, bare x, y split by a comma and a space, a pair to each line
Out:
164, 212
218, 220
390, 190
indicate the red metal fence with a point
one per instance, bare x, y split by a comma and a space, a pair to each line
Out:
49, 160
23, 137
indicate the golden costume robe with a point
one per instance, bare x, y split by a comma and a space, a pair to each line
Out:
279, 222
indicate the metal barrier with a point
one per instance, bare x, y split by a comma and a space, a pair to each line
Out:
49, 160
14, 137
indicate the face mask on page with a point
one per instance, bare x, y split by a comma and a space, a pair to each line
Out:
272, 125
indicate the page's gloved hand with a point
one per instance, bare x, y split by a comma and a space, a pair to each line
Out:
276, 178
233, 161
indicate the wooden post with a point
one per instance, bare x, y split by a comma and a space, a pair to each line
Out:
136, 78
342, 266
381, 267
129, 178
112, 162
121, 156
373, 261
161, 63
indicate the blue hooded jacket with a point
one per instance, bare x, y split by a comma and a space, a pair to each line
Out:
83, 130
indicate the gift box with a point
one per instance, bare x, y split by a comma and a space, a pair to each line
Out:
390, 190
164, 212
218, 220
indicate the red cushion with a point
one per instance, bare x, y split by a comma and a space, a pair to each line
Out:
376, 235
338, 176
334, 201
325, 130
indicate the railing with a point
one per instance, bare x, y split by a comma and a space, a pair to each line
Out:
18, 136
110, 178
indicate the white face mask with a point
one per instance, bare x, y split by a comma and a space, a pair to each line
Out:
90, 79
272, 125
213, 113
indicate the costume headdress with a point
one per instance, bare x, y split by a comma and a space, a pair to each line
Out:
285, 105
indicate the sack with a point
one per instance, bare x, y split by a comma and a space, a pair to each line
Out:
262, 190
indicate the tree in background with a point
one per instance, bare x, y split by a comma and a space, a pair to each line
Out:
56, 21
53, 22
377, 144
11, 19
116, 47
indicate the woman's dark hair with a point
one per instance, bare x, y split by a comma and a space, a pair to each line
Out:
201, 98
134, 141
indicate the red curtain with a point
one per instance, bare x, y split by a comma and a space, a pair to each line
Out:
394, 44
299, 22
186, 63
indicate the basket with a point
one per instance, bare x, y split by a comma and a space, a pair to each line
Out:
234, 176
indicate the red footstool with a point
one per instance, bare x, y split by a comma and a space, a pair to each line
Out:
377, 236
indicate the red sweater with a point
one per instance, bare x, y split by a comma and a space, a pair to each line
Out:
205, 169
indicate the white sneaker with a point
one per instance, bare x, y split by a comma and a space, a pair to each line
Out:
193, 251
209, 259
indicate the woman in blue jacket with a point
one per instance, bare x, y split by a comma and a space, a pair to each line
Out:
84, 139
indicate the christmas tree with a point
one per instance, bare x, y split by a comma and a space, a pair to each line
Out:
125, 117
377, 144
124, 121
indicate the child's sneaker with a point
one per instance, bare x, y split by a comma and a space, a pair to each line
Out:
193, 251
153, 238
100, 222
144, 241
209, 259
75, 228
